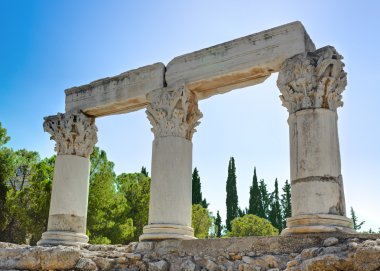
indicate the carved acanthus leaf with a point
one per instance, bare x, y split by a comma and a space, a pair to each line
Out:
173, 112
312, 80
73, 132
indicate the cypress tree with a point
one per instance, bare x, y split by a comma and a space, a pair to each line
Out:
143, 171
196, 194
232, 197
255, 200
218, 225
275, 215
197, 190
265, 200
286, 203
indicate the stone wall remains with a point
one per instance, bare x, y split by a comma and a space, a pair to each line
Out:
312, 252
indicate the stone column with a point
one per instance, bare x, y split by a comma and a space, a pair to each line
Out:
311, 85
75, 136
173, 113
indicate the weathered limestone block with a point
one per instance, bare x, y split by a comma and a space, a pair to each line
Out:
238, 63
313, 80
188, 265
314, 144
174, 114
74, 133
330, 242
367, 256
38, 258
86, 265
295, 253
311, 85
75, 136
119, 94
158, 266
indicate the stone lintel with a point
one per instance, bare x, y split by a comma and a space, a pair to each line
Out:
118, 94
238, 63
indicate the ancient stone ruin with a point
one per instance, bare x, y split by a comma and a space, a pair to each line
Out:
311, 82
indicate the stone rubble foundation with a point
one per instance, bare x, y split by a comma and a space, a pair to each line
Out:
292, 253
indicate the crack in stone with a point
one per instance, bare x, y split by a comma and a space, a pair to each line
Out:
331, 179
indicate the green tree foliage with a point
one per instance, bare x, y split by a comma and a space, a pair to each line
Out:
106, 219
275, 214
18, 226
3, 136
29, 205
242, 212
251, 225
232, 197
255, 199
286, 204
7, 171
39, 193
117, 209
355, 220
201, 221
218, 225
25, 162
25, 205
134, 188
197, 190
265, 199
144, 171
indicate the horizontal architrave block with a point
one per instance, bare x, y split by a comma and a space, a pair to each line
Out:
235, 64
238, 63
119, 94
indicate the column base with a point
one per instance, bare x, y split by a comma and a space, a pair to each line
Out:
166, 231
317, 223
64, 238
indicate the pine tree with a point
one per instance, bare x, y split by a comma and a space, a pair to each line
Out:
275, 215
218, 225
355, 223
255, 199
232, 197
197, 190
265, 200
286, 203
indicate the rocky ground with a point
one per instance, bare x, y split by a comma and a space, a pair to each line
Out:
344, 252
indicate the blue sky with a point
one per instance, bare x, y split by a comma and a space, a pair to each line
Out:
49, 46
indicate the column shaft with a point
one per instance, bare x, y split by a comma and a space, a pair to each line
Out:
318, 202
311, 85
75, 135
173, 112
170, 200
69, 199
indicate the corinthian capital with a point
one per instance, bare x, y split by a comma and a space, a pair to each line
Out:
312, 80
173, 112
73, 132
